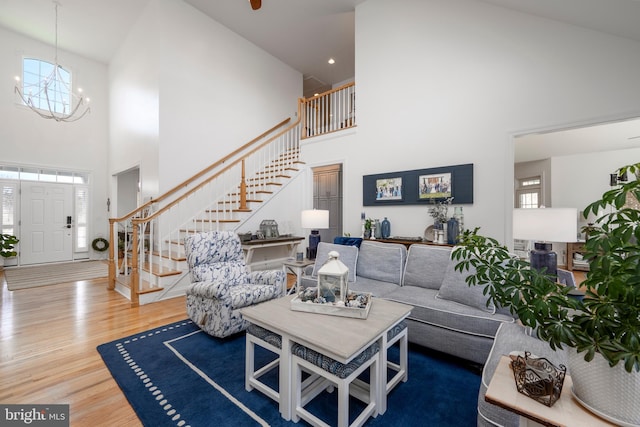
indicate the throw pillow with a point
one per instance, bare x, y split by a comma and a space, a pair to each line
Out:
382, 261
455, 288
348, 256
426, 266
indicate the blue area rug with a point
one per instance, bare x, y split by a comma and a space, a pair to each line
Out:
177, 375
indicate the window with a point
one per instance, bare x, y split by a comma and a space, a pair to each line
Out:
8, 208
47, 175
528, 193
82, 217
55, 95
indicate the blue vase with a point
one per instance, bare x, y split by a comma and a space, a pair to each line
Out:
453, 229
386, 228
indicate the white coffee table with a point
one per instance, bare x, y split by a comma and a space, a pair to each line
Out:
340, 338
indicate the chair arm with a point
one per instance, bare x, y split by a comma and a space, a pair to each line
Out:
210, 290
251, 293
267, 277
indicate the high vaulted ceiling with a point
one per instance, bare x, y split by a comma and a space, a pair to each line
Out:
302, 33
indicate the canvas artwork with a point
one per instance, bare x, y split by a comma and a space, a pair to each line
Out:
389, 189
437, 186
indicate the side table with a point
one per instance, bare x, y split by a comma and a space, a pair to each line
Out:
297, 267
264, 254
566, 412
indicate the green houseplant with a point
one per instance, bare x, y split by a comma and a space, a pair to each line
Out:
7, 246
605, 325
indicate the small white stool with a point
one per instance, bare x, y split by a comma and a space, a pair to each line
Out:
397, 334
329, 372
271, 341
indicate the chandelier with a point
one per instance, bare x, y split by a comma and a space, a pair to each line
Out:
52, 97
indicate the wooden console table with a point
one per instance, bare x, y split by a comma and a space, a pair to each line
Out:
572, 249
263, 254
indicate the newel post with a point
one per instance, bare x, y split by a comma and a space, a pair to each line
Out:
135, 274
111, 281
243, 189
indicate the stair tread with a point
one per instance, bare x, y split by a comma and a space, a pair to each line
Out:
227, 210
217, 220
146, 287
238, 201
173, 255
160, 271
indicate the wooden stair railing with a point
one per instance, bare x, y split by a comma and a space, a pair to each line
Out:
144, 210
226, 187
222, 174
330, 111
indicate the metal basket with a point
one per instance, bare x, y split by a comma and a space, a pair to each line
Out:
538, 378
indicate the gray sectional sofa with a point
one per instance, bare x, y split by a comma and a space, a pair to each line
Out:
448, 315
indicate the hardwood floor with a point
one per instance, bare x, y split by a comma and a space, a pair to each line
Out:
48, 340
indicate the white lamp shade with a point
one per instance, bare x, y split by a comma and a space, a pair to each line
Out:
546, 224
315, 219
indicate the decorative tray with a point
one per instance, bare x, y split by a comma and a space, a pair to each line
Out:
360, 310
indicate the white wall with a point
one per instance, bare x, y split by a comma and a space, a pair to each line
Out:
134, 91
187, 91
445, 82
27, 139
581, 179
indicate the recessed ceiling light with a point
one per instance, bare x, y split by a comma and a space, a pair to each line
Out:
332, 61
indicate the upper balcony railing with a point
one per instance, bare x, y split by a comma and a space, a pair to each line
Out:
330, 111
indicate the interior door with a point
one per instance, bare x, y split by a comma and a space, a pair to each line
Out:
327, 194
46, 216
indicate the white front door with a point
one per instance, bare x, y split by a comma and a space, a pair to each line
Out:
46, 229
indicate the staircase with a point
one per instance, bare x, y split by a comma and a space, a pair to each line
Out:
150, 264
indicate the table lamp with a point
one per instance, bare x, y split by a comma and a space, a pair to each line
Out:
543, 226
314, 219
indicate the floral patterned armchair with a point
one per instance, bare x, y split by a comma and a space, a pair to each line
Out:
221, 283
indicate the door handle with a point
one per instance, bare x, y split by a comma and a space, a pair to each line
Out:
68, 222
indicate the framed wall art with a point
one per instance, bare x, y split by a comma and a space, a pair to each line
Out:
436, 186
420, 186
388, 189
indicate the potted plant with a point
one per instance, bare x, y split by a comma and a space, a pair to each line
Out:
7, 245
601, 332
368, 223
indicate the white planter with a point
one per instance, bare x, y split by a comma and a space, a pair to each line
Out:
612, 393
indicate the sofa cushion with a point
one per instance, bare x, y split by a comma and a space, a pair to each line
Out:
448, 314
455, 288
426, 266
348, 256
382, 261
377, 288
